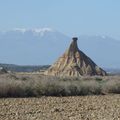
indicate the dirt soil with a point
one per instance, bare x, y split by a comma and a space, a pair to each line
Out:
105, 107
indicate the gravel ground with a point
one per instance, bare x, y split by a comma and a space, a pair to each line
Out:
61, 108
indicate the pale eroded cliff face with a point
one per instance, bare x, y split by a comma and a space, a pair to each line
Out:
74, 63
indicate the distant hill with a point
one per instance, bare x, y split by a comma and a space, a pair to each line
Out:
44, 46
112, 71
20, 68
36, 68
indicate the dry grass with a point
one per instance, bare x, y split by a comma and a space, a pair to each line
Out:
61, 108
35, 85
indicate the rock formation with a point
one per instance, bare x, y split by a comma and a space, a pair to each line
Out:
74, 63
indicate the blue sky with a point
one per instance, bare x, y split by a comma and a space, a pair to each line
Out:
72, 17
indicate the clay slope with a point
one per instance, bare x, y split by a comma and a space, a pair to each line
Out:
74, 63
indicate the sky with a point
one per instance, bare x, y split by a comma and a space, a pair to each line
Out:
71, 17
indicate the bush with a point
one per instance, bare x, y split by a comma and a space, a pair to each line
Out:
54, 86
90, 87
111, 86
11, 89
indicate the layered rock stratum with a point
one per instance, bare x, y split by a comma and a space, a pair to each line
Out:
74, 63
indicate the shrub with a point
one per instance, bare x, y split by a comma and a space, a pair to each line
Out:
111, 86
11, 89
55, 86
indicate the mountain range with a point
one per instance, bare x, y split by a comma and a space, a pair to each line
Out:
43, 46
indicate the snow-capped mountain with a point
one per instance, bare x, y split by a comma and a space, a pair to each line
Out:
31, 46
37, 31
102, 49
43, 46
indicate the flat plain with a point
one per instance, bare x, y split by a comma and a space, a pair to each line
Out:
101, 107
